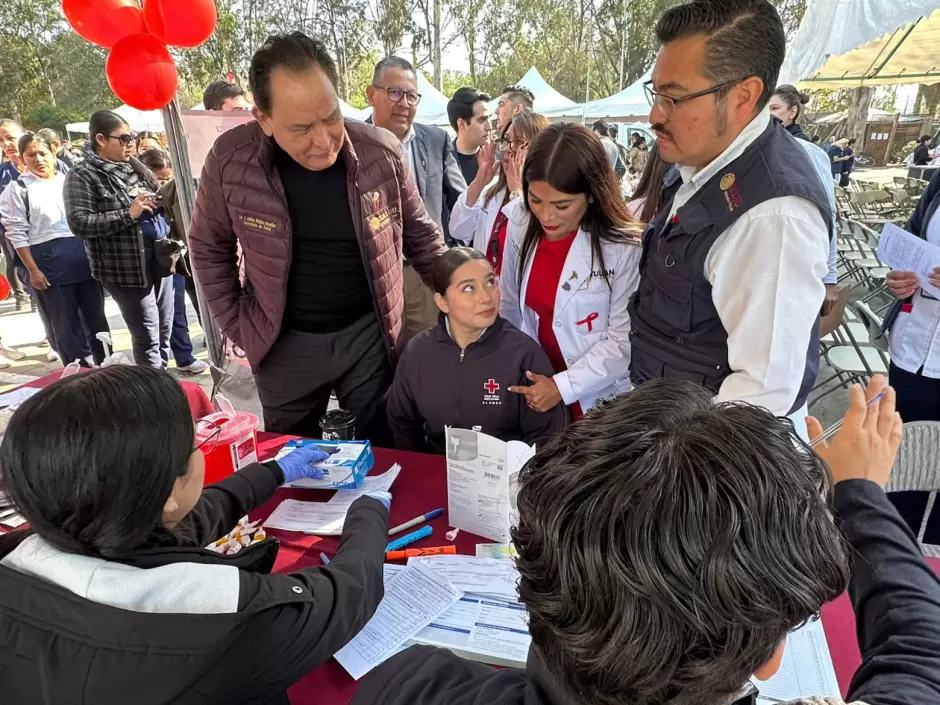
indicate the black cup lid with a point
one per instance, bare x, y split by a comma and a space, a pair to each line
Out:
337, 417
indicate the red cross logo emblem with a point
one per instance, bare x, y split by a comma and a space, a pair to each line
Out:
491, 386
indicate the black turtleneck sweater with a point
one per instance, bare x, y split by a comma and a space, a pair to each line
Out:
327, 288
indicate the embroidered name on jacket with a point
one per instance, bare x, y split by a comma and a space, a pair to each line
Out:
250, 221
379, 220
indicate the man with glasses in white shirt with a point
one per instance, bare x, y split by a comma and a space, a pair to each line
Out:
731, 280
394, 98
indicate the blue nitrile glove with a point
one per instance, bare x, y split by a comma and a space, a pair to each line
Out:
299, 465
384, 497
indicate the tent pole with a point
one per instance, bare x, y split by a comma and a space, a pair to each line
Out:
176, 138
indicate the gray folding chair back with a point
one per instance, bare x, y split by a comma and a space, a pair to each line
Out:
872, 322
918, 469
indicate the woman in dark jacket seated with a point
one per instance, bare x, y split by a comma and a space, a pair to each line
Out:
110, 597
461, 372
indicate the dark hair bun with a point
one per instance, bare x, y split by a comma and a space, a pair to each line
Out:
804, 98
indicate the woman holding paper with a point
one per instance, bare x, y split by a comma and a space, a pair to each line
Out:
914, 346
915, 323
459, 373
110, 592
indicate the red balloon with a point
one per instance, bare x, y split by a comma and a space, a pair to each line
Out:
104, 22
180, 23
141, 72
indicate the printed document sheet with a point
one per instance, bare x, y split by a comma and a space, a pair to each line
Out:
326, 518
491, 577
413, 599
902, 251
481, 629
806, 669
482, 482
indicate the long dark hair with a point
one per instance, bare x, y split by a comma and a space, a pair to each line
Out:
572, 160
526, 126
90, 460
103, 122
650, 185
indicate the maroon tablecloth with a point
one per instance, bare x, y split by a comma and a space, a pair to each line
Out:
421, 487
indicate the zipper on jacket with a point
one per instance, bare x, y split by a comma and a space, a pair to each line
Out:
462, 353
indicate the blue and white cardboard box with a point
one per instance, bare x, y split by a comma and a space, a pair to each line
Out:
343, 470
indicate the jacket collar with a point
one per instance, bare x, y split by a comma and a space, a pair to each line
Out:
487, 340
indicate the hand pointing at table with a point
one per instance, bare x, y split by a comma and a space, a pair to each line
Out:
542, 395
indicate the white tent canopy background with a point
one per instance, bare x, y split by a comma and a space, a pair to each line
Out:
833, 28
547, 99
629, 104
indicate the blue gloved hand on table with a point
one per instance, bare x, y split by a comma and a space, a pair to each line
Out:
299, 464
384, 497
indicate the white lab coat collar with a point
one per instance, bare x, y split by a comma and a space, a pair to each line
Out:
754, 129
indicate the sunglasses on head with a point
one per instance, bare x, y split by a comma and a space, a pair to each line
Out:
124, 139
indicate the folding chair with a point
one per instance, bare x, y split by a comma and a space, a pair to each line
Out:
917, 469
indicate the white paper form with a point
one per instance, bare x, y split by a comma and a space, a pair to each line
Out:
413, 599
481, 576
482, 482
902, 251
806, 669
485, 630
320, 518
327, 518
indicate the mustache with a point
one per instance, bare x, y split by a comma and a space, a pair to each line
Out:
661, 129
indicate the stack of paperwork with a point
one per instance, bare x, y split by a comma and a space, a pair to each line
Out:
466, 604
469, 605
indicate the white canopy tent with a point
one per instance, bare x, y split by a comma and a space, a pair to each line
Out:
547, 99
629, 105
138, 120
865, 42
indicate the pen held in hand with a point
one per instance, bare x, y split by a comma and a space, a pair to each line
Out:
832, 430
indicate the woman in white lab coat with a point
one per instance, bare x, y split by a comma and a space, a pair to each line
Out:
915, 352
570, 265
478, 218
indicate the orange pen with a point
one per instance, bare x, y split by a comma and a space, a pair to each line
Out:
414, 552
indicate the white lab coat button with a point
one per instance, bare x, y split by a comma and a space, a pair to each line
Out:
569, 360
558, 324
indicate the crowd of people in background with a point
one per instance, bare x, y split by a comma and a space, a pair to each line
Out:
660, 349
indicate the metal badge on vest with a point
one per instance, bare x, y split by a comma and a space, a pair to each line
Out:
677, 332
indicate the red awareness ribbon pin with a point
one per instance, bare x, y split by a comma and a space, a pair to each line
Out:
589, 321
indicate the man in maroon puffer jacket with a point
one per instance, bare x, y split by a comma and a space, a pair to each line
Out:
323, 209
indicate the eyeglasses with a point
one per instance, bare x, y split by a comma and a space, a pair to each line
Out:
124, 139
668, 104
511, 145
396, 94
209, 441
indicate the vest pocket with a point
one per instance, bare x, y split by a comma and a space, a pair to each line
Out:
674, 305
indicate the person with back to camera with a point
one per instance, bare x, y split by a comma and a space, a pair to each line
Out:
570, 266
716, 539
479, 217
459, 373
110, 593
